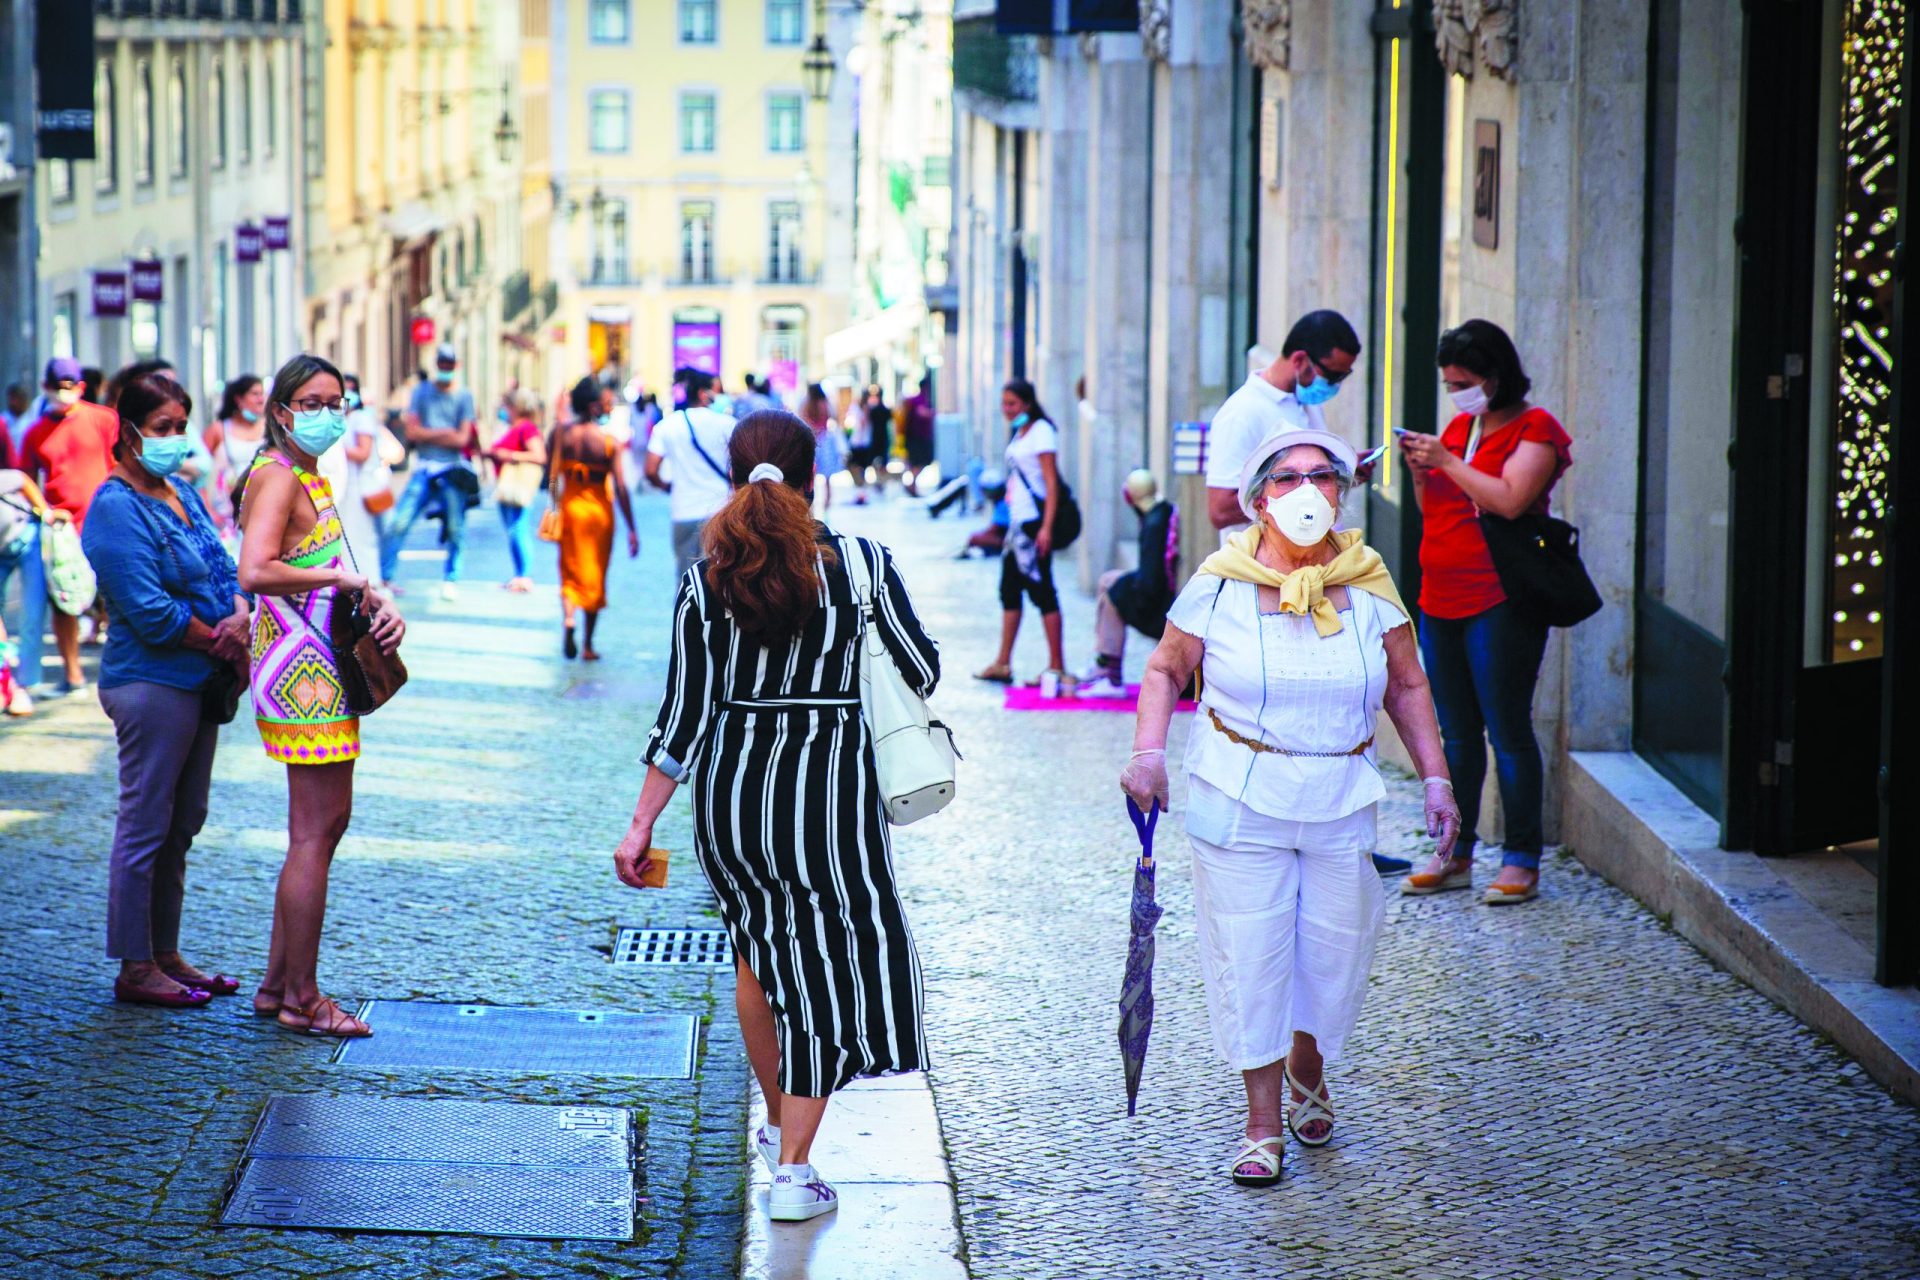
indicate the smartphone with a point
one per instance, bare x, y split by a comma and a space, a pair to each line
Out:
1401, 431
1373, 457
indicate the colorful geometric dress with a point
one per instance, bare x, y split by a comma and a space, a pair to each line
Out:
298, 699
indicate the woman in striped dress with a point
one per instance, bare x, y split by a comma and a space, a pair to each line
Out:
762, 714
294, 557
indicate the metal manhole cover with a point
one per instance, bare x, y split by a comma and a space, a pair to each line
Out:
470, 1168
477, 1037
672, 947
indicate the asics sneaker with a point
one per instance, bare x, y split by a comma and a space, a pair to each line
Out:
799, 1194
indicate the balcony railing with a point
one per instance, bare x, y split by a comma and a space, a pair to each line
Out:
516, 295
267, 11
1006, 68
604, 273
795, 273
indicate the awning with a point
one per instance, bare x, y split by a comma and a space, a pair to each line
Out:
411, 221
897, 323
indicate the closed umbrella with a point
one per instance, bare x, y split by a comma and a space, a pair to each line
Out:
1136, 988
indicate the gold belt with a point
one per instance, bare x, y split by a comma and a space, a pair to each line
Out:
1253, 745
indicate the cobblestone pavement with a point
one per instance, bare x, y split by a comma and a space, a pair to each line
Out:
1561, 1089
478, 869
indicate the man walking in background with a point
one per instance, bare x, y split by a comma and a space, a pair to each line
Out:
691, 443
441, 425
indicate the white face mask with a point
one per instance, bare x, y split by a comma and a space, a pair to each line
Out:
1304, 516
1473, 400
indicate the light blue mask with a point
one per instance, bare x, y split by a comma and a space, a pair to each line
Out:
1017, 423
1319, 391
318, 431
164, 455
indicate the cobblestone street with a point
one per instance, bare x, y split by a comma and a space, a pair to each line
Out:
1562, 1089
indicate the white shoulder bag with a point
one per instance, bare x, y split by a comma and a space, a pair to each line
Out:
913, 753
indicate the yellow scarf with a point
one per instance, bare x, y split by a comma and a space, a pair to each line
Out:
1304, 590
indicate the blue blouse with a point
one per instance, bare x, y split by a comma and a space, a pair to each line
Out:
155, 573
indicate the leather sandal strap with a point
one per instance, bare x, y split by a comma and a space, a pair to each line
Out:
1315, 1103
1256, 1151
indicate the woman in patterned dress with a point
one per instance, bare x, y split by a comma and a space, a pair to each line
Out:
762, 714
295, 559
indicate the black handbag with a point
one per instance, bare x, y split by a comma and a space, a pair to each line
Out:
1538, 560
220, 695
1066, 516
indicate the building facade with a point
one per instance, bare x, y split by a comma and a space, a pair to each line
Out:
700, 196
414, 228
1686, 212
179, 239
18, 239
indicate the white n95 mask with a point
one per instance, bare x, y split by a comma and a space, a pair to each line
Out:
1304, 516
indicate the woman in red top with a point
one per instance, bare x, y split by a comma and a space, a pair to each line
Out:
1502, 456
521, 455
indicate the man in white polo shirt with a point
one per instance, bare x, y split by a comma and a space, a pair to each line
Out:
1315, 359
692, 442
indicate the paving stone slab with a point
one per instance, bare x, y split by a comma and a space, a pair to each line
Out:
421, 1034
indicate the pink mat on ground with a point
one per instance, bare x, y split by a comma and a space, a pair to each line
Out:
1024, 699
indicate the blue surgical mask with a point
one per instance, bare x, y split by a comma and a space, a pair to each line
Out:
318, 431
1017, 423
248, 415
353, 399
1319, 391
164, 455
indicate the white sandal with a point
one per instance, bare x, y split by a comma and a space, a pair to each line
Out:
1314, 1104
1256, 1151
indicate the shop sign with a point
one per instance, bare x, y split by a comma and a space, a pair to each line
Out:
247, 243
1486, 183
422, 330
109, 293
63, 61
696, 345
149, 280
1189, 448
278, 234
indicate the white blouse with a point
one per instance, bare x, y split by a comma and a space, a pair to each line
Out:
1274, 678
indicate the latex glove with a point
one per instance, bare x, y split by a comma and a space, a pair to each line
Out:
1145, 779
1443, 814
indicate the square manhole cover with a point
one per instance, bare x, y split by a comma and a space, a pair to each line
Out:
672, 947
469, 1168
479, 1037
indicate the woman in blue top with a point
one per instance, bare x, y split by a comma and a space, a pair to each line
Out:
177, 618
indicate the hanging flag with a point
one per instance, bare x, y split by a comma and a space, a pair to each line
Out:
109, 293
149, 280
247, 243
278, 234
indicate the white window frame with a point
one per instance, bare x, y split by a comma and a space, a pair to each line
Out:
596, 8
680, 11
798, 102
145, 149
687, 257
106, 140
179, 126
799, 10
600, 93
786, 259
713, 122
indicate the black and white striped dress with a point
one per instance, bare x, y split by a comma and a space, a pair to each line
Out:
789, 824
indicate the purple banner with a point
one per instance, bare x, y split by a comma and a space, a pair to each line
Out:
696, 345
109, 293
247, 243
279, 234
784, 375
149, 281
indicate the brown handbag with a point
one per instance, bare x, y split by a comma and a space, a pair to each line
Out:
369, 675
553, 522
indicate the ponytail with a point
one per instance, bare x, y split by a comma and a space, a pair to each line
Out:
762, 552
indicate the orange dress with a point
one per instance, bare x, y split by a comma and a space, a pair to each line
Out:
586, 534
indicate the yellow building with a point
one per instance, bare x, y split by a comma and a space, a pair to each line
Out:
413, 212
693, 177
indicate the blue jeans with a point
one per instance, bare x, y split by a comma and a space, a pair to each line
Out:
420, 490
25, 556
519, 525
1483, 670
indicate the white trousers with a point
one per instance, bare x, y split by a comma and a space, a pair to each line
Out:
1288, 916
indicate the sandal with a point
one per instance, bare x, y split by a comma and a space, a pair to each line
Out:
997, 673
217, 984
339, 1023
1266, 1153
1454, 873
1315, 1104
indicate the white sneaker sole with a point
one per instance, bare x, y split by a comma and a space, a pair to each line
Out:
802, 1212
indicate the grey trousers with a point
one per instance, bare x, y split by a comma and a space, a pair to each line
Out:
166, 763
686, 545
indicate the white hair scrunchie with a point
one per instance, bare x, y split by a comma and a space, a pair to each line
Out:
767, 471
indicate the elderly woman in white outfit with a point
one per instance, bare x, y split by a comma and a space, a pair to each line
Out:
1301, 640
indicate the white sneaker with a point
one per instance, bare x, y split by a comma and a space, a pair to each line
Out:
799, 1194
19, 703
766, 1140
1101, 687
449, 592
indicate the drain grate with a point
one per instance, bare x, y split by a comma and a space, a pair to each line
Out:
468, 1168
478, 1037
672, 946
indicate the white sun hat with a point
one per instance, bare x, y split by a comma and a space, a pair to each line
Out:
1279, 442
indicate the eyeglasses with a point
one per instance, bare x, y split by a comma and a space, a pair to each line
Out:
1288, 481
314, 404
1333, 379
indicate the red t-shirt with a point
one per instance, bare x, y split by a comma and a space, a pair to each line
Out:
517, 437
1457, 578
71, 456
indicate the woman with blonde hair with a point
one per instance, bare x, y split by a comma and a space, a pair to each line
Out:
295, 559
762, 713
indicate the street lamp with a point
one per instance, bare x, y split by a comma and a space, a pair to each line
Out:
504, 132
817, 65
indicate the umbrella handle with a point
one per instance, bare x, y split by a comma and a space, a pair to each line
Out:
1144, 824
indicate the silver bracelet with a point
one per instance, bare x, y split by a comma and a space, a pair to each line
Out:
1445, 782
